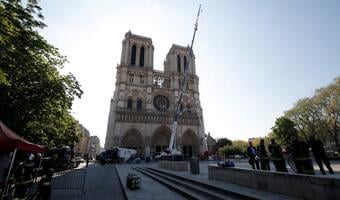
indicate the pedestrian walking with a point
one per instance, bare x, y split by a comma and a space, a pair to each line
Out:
264, 158
87, 160
277, 156
252, 154
320, 154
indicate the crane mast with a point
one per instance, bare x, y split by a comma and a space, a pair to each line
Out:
172, 146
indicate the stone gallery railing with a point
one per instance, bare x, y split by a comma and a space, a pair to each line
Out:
161, 80
160, 117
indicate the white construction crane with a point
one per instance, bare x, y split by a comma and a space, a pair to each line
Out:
172, 150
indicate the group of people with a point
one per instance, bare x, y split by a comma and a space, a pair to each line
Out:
26, 170
259, 158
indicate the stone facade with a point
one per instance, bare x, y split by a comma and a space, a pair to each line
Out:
143, 104
211, 142
82, 147
95, 148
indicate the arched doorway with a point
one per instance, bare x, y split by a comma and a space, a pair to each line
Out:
190, 144
160, 139
133, 139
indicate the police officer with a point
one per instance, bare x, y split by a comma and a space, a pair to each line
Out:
277, 156
302, 159
320, 154
264, 159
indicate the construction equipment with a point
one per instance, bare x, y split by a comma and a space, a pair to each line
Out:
172, 153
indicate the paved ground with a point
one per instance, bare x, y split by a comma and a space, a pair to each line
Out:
150, 189
101, 182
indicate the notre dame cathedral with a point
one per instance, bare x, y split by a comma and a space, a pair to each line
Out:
144, 101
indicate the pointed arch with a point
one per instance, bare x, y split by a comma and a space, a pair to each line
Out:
178, 64
190, 143
141, 57
133, 139
133, 55
129, 104
160, 139
139, 105
185, 64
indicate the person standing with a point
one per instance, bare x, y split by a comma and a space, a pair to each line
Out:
252, 154
87, 159
277, 156
320, 154
302, 159
24, 175
264, 159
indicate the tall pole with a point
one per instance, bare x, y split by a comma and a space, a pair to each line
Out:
5, 189
172, 146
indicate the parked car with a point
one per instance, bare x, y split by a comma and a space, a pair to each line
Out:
76, 161
332, 153
157, 156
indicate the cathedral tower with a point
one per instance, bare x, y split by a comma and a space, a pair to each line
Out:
143, 103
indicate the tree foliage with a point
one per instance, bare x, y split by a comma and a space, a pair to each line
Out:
328, 101
267, 138
284, 130
35, 99
221, 142
318, 115
238, 147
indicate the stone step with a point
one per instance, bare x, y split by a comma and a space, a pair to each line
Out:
205, 191
182, 191
205, 185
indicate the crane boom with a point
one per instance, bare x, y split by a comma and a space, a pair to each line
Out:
172, 146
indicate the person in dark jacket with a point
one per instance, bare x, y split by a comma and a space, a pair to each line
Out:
277, 156
302, 159
320, 154
252, 154
264, 159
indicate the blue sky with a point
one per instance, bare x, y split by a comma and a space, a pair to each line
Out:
254, 58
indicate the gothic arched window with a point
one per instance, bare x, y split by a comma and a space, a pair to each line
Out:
133, 55
178, 64
139, 104
141, 58
129, 104
185, 64
181, 107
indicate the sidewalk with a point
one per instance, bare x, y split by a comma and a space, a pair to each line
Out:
100, 183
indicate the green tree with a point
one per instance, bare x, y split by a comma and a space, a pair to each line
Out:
267, 138
307, 116
35, 99
328, 100
231, 150
221, 142
237, 147
284, 130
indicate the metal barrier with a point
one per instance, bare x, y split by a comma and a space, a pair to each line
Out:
71, 179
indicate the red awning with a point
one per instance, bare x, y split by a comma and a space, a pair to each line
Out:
10, 141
